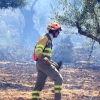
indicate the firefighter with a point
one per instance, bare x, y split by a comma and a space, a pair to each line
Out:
43, 50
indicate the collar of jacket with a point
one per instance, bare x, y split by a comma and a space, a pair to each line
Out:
51, 36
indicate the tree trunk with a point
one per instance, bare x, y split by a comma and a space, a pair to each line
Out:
30, 34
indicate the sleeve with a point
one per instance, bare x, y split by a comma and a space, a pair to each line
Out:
40, 45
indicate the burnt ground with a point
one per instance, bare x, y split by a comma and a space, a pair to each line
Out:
17, 81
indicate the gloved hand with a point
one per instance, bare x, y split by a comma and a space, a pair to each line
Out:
51, 62
59, 65
46, 60
43, 58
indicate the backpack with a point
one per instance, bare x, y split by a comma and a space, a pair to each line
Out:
35, 58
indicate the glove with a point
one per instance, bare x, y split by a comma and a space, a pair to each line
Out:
59, 65
51, 62
43, 58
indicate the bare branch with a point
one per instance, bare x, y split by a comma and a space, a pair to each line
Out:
86, 34
33, 4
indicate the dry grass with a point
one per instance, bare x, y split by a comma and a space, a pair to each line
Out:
77, 85
67, 94
12, 94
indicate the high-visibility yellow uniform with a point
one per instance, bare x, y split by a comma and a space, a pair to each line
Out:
44, 49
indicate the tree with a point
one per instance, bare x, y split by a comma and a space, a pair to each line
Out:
86, 17
4, 4
29, 32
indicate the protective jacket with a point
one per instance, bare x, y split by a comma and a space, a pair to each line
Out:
44, 46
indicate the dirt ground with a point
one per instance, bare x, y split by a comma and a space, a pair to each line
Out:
78, 84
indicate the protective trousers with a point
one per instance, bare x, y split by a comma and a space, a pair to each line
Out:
44, 70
